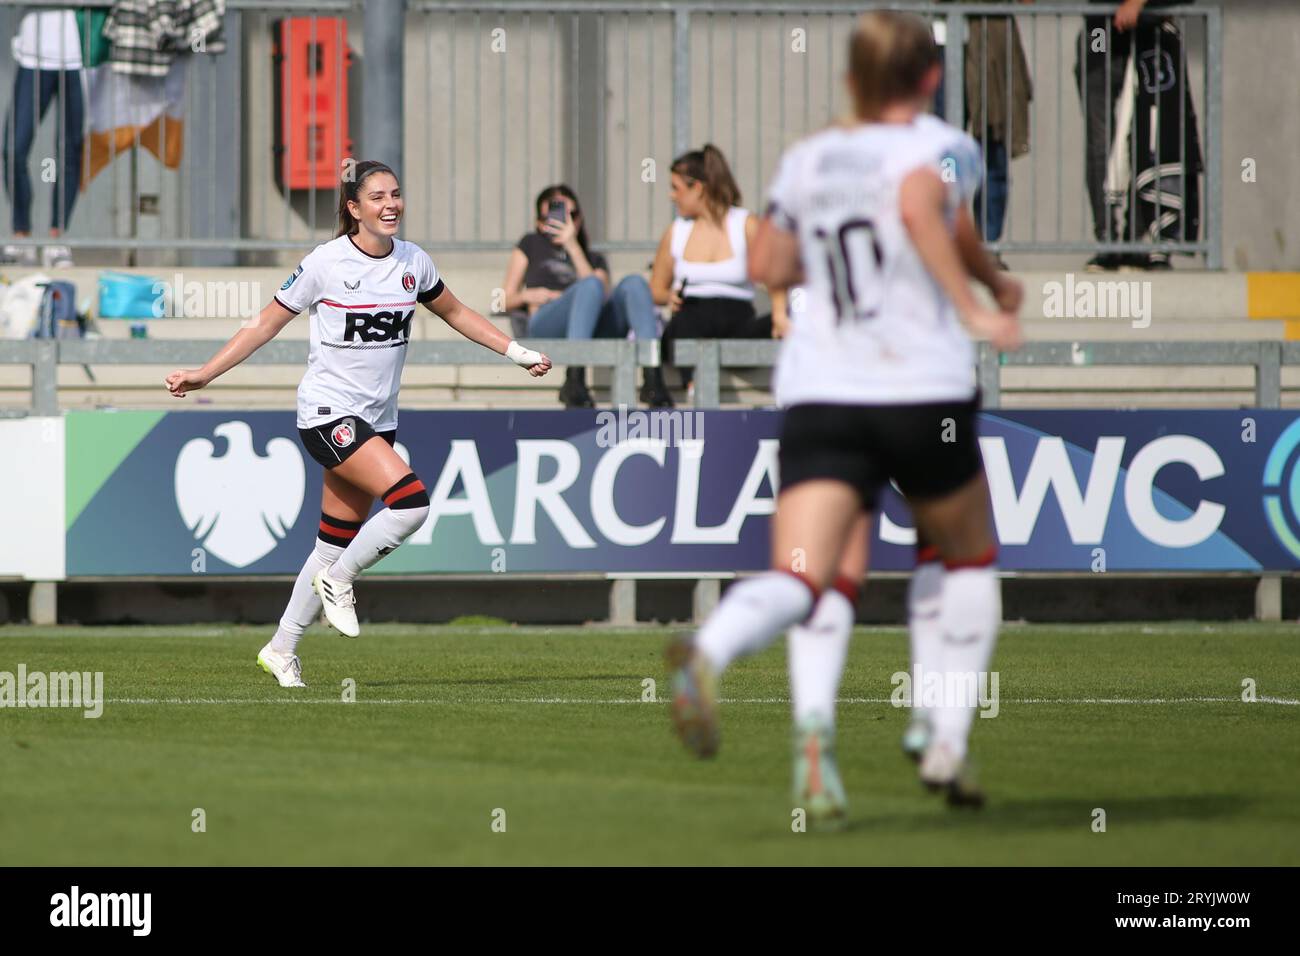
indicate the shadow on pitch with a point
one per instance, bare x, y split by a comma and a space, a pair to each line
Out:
1054, 813
524, 679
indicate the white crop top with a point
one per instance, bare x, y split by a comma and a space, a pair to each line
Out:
725, 279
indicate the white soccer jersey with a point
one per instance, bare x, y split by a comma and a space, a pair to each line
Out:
361, 309
874, 327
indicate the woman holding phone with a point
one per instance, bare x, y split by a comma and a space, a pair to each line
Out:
563, 284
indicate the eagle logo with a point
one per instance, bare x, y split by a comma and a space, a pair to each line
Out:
242, 504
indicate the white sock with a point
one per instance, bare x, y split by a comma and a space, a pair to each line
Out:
752, 614
381, 534
924, 601
816, 652
968, 621
304, 605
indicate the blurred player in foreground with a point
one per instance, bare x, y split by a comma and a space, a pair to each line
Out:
361, 289
877, 375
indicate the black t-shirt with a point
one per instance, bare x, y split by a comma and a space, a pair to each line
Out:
549, 266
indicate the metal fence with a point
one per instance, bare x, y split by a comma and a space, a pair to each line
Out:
488, 100
624, 357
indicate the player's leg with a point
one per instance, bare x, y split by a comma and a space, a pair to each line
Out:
924, 593
970, 610
374, 469
343, 509
817, 650
817, 647
934, 456
809, 531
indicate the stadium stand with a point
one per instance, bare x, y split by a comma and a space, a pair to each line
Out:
224, 215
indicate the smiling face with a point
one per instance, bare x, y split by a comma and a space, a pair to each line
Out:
687, 195
378, 206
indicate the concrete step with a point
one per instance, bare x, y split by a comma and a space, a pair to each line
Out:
1172, 297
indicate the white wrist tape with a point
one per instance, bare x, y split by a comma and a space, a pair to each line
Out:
522, 356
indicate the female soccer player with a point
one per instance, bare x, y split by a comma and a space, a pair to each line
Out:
361, 289
877, 376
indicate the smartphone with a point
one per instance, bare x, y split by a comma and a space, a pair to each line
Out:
557, 212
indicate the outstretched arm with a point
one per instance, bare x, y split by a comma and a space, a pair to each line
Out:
478, 329
242, 344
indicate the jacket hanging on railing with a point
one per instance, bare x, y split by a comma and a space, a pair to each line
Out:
138, 97
147, 35
992, 45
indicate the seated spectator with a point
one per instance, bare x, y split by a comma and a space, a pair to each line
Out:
561, 283
700, 270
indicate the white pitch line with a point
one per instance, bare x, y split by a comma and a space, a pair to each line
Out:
584, 701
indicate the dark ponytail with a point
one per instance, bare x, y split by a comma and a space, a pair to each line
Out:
709, 166
350, 189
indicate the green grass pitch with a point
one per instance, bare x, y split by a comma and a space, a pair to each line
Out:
452, 725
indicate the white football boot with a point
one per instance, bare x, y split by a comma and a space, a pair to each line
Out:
285, 668
943, 770
340, 604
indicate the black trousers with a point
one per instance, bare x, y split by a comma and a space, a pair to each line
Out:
700, 318
1163, 200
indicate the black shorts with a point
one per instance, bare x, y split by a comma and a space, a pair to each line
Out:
930, 450
334, 442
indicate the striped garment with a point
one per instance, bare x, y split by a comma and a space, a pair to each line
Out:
147, 35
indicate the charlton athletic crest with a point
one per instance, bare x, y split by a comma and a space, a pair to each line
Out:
344, 434
408, 282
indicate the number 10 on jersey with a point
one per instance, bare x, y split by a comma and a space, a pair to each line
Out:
855, 263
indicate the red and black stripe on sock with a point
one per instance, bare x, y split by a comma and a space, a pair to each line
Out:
409, 492
337, 531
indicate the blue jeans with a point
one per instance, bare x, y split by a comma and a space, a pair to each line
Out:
31, 100
995, 180
583, 312
994, 191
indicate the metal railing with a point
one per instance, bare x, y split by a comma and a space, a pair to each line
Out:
1265, 357
44, 357
500, 97
707, 356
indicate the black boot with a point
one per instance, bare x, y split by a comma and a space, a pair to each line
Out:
574, 393
654, 392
